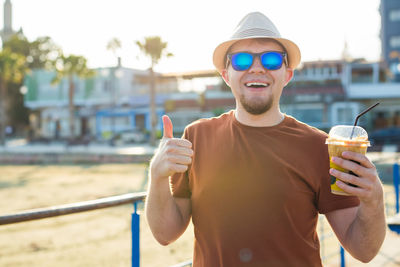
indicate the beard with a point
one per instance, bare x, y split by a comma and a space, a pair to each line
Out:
257, 106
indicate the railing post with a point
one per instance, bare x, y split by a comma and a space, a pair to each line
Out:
396, 181
135, 237
342, 258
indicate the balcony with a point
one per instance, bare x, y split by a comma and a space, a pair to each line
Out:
373, 90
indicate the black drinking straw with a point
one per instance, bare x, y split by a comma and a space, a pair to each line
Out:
359, 115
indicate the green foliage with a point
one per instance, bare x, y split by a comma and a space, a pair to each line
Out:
159, 134
154, 48
12, 66
114, 45
18, 43
39, 54
18, 114
218, 111
12, 70
68, 66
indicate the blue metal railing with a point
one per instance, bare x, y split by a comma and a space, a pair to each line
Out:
107, 202
396, 181
135, 198
135, 237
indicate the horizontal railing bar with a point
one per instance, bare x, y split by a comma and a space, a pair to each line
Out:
183, 264
330, 255
54, 211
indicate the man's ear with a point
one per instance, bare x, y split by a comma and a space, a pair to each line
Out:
224, 74
289, 75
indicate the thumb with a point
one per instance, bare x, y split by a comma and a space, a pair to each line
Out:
167, 127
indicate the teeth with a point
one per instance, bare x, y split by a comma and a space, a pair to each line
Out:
257, 84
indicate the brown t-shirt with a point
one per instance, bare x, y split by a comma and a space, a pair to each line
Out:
256, 192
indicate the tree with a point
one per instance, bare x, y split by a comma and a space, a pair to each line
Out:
12, 69
39, 54
154, 48
114, 45
68, 67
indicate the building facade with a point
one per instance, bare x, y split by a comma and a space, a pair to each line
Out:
322, 94
390, 36
116, 99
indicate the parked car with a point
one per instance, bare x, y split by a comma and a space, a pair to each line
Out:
385, 136
132, 136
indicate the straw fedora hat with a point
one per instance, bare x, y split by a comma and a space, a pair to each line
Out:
256, 25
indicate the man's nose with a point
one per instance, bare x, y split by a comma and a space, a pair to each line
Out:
257, 67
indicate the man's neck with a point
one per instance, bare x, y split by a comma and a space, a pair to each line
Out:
270, 118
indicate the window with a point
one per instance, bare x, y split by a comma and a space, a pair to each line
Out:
309, 115
395, 41
106, 86
395, 68
318, 71
394, 15
345, 114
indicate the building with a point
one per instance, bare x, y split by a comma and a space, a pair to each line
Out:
7, 30
116, 99
390, 36
327, 93
316, 94
322, 94
368, 85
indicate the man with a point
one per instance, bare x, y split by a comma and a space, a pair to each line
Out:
254, 179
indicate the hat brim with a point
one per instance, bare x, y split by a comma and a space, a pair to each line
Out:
293, 51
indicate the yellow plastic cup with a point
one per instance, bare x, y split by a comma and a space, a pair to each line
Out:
345, 138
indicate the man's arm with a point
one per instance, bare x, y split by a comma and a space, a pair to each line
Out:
168, 217
361, 230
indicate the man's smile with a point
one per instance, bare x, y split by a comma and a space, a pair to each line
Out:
257, 85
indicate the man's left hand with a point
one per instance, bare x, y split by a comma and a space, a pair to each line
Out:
369, 188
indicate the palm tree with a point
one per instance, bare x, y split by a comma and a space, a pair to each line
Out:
12, 69
154, 48
68, 67
114, 45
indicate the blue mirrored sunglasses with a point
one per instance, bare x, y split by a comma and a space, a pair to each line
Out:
271, 60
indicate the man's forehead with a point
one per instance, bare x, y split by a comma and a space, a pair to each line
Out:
267, 43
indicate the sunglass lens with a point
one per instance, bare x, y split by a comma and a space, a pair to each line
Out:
272, 60
242, 61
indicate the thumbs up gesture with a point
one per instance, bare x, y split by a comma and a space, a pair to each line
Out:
173, 154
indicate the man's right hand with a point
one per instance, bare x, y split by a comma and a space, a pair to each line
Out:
173, 154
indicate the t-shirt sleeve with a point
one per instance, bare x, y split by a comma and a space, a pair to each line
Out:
180, 181
326, 201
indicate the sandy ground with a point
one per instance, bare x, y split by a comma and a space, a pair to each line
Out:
103, 237
96, 238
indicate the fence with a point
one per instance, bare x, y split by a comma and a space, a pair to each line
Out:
135, 222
